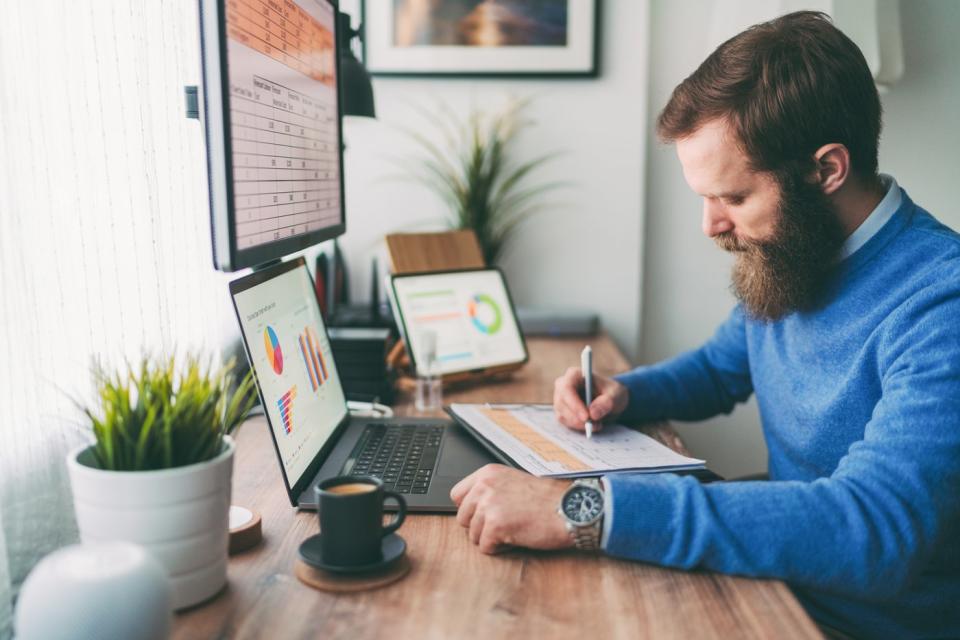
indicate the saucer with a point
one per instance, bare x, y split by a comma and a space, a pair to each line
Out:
392, 546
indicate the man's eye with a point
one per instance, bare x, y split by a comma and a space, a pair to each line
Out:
734, 202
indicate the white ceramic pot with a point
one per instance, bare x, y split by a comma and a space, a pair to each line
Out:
180, 515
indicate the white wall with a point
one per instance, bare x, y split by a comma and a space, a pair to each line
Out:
584, 253
686, 277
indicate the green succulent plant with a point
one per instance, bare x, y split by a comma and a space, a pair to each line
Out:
475, 171
158, 415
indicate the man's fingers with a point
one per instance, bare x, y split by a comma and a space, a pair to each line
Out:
462, 488
600, 407
567, 390
567, 420
573, 405
489, 543
567, 404
577, 410
467, 509
476, 526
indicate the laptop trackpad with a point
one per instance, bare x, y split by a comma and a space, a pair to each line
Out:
462, 455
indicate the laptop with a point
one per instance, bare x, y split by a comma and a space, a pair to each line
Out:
313, 433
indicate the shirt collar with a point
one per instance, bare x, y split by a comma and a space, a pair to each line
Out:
877, 218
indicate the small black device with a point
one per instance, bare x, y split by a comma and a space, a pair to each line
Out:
315, 437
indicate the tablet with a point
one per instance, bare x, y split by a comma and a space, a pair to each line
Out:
471, 314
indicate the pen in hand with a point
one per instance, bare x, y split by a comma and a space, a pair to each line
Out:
586, 369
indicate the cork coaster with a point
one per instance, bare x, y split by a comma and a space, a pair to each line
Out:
349, 583
246, 529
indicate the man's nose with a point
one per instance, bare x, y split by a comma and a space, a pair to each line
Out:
715, 219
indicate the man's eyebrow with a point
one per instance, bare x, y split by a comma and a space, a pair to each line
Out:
727, 194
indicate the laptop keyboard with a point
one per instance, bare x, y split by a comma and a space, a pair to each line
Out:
401, 455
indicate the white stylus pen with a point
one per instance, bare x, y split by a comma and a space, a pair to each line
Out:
586, 369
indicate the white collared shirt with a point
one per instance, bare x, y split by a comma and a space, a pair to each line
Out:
877, 218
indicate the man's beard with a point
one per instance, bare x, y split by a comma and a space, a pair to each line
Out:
788, 273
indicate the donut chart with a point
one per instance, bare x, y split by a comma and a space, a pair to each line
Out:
485, 314
272, 345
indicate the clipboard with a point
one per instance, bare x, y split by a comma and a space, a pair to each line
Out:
702, 473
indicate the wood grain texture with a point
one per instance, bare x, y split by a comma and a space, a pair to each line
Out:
339, 583
454, 591
443, 251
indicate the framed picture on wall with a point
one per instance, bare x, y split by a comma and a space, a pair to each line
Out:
481, 37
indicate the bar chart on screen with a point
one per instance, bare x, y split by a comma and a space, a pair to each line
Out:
285, 405
313, 358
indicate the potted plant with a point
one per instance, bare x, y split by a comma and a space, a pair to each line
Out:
159, 470
477, 174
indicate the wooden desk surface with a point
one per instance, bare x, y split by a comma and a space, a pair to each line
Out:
453, 590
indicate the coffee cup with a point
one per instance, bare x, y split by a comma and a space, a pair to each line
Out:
351, 519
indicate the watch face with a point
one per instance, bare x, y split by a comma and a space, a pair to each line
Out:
582, 505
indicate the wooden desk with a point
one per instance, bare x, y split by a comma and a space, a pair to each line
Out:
454, 591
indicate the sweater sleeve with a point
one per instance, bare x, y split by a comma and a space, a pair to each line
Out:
865, 531
697, 384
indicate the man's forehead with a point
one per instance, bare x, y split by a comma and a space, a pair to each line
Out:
713, 162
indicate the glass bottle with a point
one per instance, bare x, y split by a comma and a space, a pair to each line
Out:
429, 393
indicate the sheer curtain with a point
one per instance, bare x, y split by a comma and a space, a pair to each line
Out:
104, 238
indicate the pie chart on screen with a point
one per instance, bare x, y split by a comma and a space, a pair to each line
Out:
274, 354
485, 314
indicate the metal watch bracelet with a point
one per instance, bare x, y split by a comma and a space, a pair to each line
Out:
586, 538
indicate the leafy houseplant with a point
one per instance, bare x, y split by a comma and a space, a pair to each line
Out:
476, 172
157, 417
160, 469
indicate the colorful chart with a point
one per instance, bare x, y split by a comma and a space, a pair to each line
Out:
313, 358
285, 404
485, 314
274, 354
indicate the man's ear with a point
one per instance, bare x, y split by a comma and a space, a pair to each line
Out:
832, 166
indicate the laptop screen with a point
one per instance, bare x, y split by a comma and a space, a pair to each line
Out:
289, 351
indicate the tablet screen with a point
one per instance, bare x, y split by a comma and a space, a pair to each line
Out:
470, 313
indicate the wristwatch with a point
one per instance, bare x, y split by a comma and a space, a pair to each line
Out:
582, 510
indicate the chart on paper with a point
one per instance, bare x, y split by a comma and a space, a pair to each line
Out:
531, 436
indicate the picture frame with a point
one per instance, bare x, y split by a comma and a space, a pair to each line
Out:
482, 38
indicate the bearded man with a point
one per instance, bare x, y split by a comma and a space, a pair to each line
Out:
847, 330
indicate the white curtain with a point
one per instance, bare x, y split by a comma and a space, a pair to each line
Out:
104, 234
6, 608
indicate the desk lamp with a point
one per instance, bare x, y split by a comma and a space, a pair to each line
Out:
357, 95
355, 80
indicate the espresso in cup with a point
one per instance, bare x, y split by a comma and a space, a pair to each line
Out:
351, 488
351, 519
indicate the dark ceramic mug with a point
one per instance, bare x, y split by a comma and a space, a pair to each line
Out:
351, 519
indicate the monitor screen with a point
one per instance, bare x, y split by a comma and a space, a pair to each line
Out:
288, 348
469, 312
273, 127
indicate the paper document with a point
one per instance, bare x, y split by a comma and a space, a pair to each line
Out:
531, 436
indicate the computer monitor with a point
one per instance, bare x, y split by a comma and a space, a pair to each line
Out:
271, 107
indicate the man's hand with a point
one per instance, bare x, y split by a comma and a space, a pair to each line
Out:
502, 506
610, 400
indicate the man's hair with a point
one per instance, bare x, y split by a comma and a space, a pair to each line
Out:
786, 87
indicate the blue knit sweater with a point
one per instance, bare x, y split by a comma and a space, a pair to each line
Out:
860, 405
